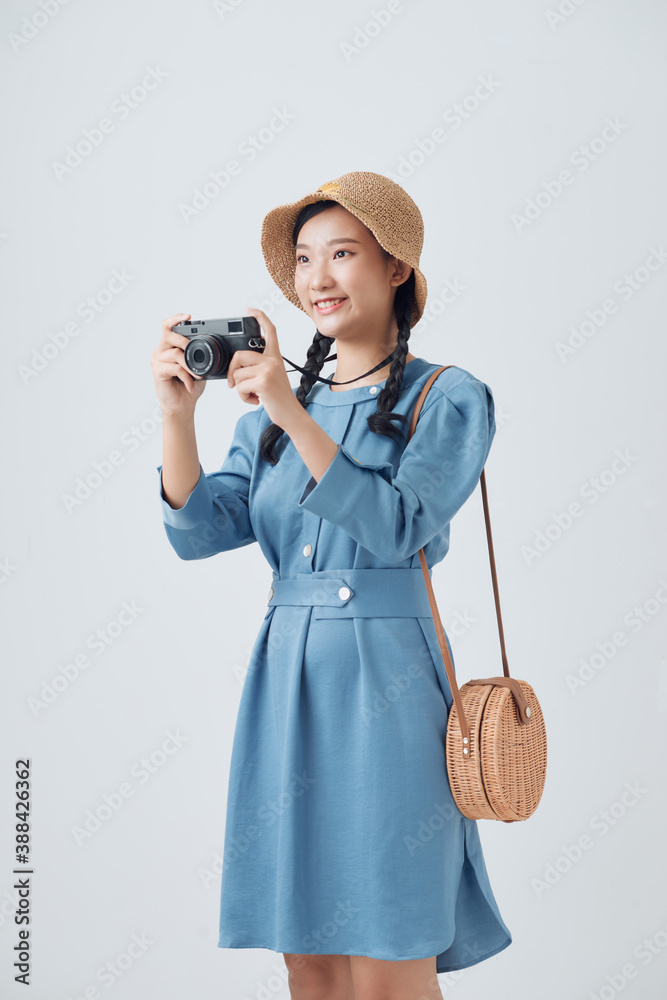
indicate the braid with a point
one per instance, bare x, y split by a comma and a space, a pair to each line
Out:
315, 358
380, 422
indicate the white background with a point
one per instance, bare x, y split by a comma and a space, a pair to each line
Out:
361, 97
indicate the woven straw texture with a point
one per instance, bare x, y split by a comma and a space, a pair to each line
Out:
504, 773
378, 202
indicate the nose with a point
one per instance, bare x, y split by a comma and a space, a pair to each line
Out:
320, 278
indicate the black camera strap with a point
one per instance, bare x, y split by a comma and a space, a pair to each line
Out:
332, 357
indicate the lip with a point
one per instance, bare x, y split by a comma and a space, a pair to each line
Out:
330, 309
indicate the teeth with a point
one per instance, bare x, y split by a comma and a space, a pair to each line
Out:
328, 302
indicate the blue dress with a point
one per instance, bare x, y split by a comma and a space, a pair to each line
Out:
341, 832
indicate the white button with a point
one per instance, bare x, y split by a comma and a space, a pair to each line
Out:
307, 549
271, 593
373, 389
344, 593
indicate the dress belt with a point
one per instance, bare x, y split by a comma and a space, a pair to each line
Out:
356, 593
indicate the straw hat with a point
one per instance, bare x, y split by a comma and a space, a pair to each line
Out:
383, 207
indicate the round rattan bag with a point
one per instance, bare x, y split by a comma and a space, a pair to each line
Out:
503, 773
496, 741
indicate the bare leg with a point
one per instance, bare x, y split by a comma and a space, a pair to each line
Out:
412, 979
319, 977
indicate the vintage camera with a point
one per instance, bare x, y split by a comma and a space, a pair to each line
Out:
214, 341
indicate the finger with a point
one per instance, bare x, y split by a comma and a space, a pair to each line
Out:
168, 334
259, 312
175, 354
172, 321
248, 395
246, 359
242, 360
268, 329
167, 370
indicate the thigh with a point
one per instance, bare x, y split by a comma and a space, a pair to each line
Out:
318, 971
412, 979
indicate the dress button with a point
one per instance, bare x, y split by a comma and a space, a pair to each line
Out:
373, 389
307, 549
271, 593
344, 593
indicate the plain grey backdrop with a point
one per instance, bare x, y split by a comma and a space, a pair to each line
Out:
531, 134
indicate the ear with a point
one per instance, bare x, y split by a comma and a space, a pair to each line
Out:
401, 272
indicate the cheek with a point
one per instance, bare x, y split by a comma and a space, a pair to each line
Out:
299, 286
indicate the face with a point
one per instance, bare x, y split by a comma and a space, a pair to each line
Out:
338, 258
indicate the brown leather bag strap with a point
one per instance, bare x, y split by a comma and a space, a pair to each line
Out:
465, 732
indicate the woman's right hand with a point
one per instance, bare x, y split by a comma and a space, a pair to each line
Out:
176, 388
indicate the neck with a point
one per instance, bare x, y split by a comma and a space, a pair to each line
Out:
349, 365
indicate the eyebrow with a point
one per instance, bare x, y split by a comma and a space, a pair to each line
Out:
344, 239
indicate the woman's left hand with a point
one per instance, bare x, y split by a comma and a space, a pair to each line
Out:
261, 379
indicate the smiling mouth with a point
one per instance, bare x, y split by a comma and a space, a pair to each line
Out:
324, 305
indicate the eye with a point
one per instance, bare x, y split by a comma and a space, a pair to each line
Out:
302, 256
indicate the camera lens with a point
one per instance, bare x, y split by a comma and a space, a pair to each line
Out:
202, 356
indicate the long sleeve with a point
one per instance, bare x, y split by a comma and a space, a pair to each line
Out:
216, 516
394, 516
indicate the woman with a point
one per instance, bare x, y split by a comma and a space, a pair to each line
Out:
343, 847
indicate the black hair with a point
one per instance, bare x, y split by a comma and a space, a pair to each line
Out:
379, 422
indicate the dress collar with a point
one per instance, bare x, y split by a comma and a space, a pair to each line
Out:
324, 396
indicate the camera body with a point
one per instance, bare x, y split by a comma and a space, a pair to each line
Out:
214, 341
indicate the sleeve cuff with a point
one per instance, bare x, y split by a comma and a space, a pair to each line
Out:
195, 509
339, 490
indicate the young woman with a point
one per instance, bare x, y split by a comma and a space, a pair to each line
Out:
343, 847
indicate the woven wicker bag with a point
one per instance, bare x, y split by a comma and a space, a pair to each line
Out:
496, 742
